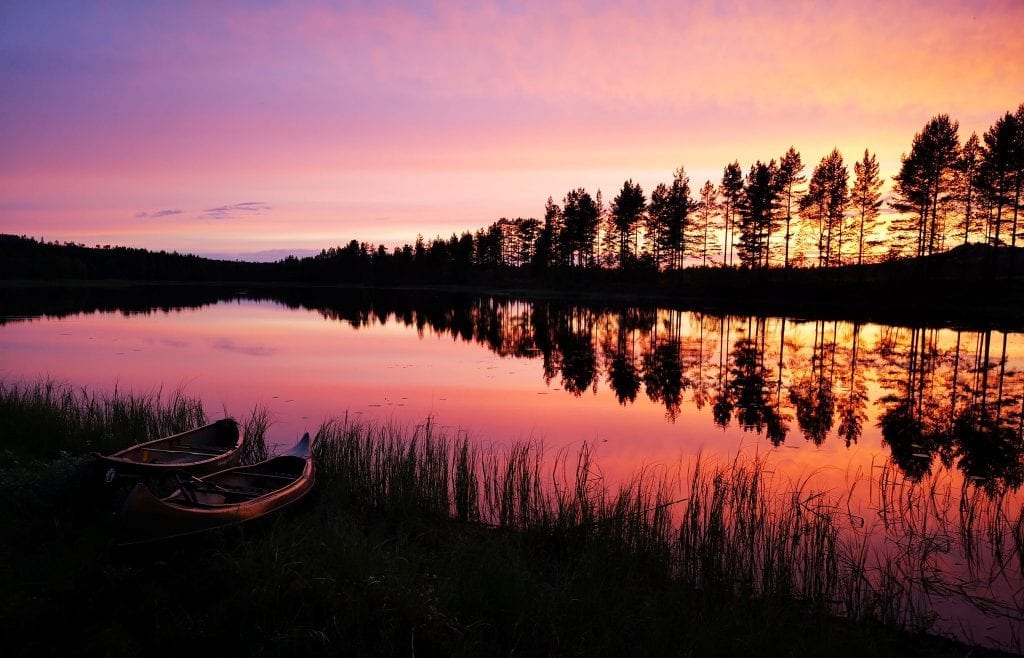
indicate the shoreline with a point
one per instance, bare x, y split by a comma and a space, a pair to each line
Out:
960, 305
378, 560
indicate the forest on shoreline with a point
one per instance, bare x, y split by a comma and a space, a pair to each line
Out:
948, 237
971, 285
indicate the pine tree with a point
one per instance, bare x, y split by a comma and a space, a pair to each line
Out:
656, 223
757, 211
1018, 172
549, 249
965, 186
824, 206
703, 239
865, 199
731, 191
674, 211
925, 180
580, 218
627, 210
790, 176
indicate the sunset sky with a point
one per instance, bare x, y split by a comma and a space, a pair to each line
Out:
228, 128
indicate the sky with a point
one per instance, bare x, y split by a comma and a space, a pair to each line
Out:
234, 128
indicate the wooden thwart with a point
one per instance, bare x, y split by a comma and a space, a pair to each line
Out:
167, 451
267, 475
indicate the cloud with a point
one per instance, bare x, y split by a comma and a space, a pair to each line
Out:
231, 211
236, 210
229, 345
158, 214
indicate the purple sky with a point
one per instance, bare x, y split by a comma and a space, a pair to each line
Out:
240, 127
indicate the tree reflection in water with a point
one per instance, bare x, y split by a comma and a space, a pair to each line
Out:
948, 396
943, 403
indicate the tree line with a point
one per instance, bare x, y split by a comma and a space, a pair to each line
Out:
947, 192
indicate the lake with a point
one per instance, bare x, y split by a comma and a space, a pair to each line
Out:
911, 427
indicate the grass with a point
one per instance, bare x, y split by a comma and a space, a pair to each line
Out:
44, 418
416, 542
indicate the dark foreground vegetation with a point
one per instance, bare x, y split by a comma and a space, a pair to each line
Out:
421, 544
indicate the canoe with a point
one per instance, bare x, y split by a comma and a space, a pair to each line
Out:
205, 449
224, 498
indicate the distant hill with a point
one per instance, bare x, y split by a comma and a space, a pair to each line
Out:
26, 258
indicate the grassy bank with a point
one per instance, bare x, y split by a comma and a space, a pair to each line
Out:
421, 543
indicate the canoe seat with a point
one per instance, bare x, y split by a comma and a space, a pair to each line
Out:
220, 495
248, 492
274, 476
202, 450
197, 453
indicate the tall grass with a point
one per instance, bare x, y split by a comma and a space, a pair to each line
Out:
550, 541
254, 430
727, 528
53, 493
45, 417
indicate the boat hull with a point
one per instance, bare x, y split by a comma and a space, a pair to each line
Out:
199, 451
225, 498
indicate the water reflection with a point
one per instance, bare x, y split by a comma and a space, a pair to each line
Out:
960, 405
945, 396
56, 302
917, 431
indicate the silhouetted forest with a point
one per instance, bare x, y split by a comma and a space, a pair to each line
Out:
772, 235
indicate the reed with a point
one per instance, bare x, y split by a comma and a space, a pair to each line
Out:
43, 418
731, 528
254, 430
422, 540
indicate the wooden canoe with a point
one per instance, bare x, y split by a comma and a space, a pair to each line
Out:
224, 498
205, 449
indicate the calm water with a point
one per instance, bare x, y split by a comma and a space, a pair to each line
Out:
836, 403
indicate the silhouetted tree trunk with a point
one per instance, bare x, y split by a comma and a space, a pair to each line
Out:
626, 212
731, 190
925, 177
789, 176
866, 199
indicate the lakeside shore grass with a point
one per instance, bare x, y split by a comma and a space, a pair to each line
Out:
418, 542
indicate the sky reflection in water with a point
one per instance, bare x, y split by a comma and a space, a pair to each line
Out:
643, 385
647, 388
